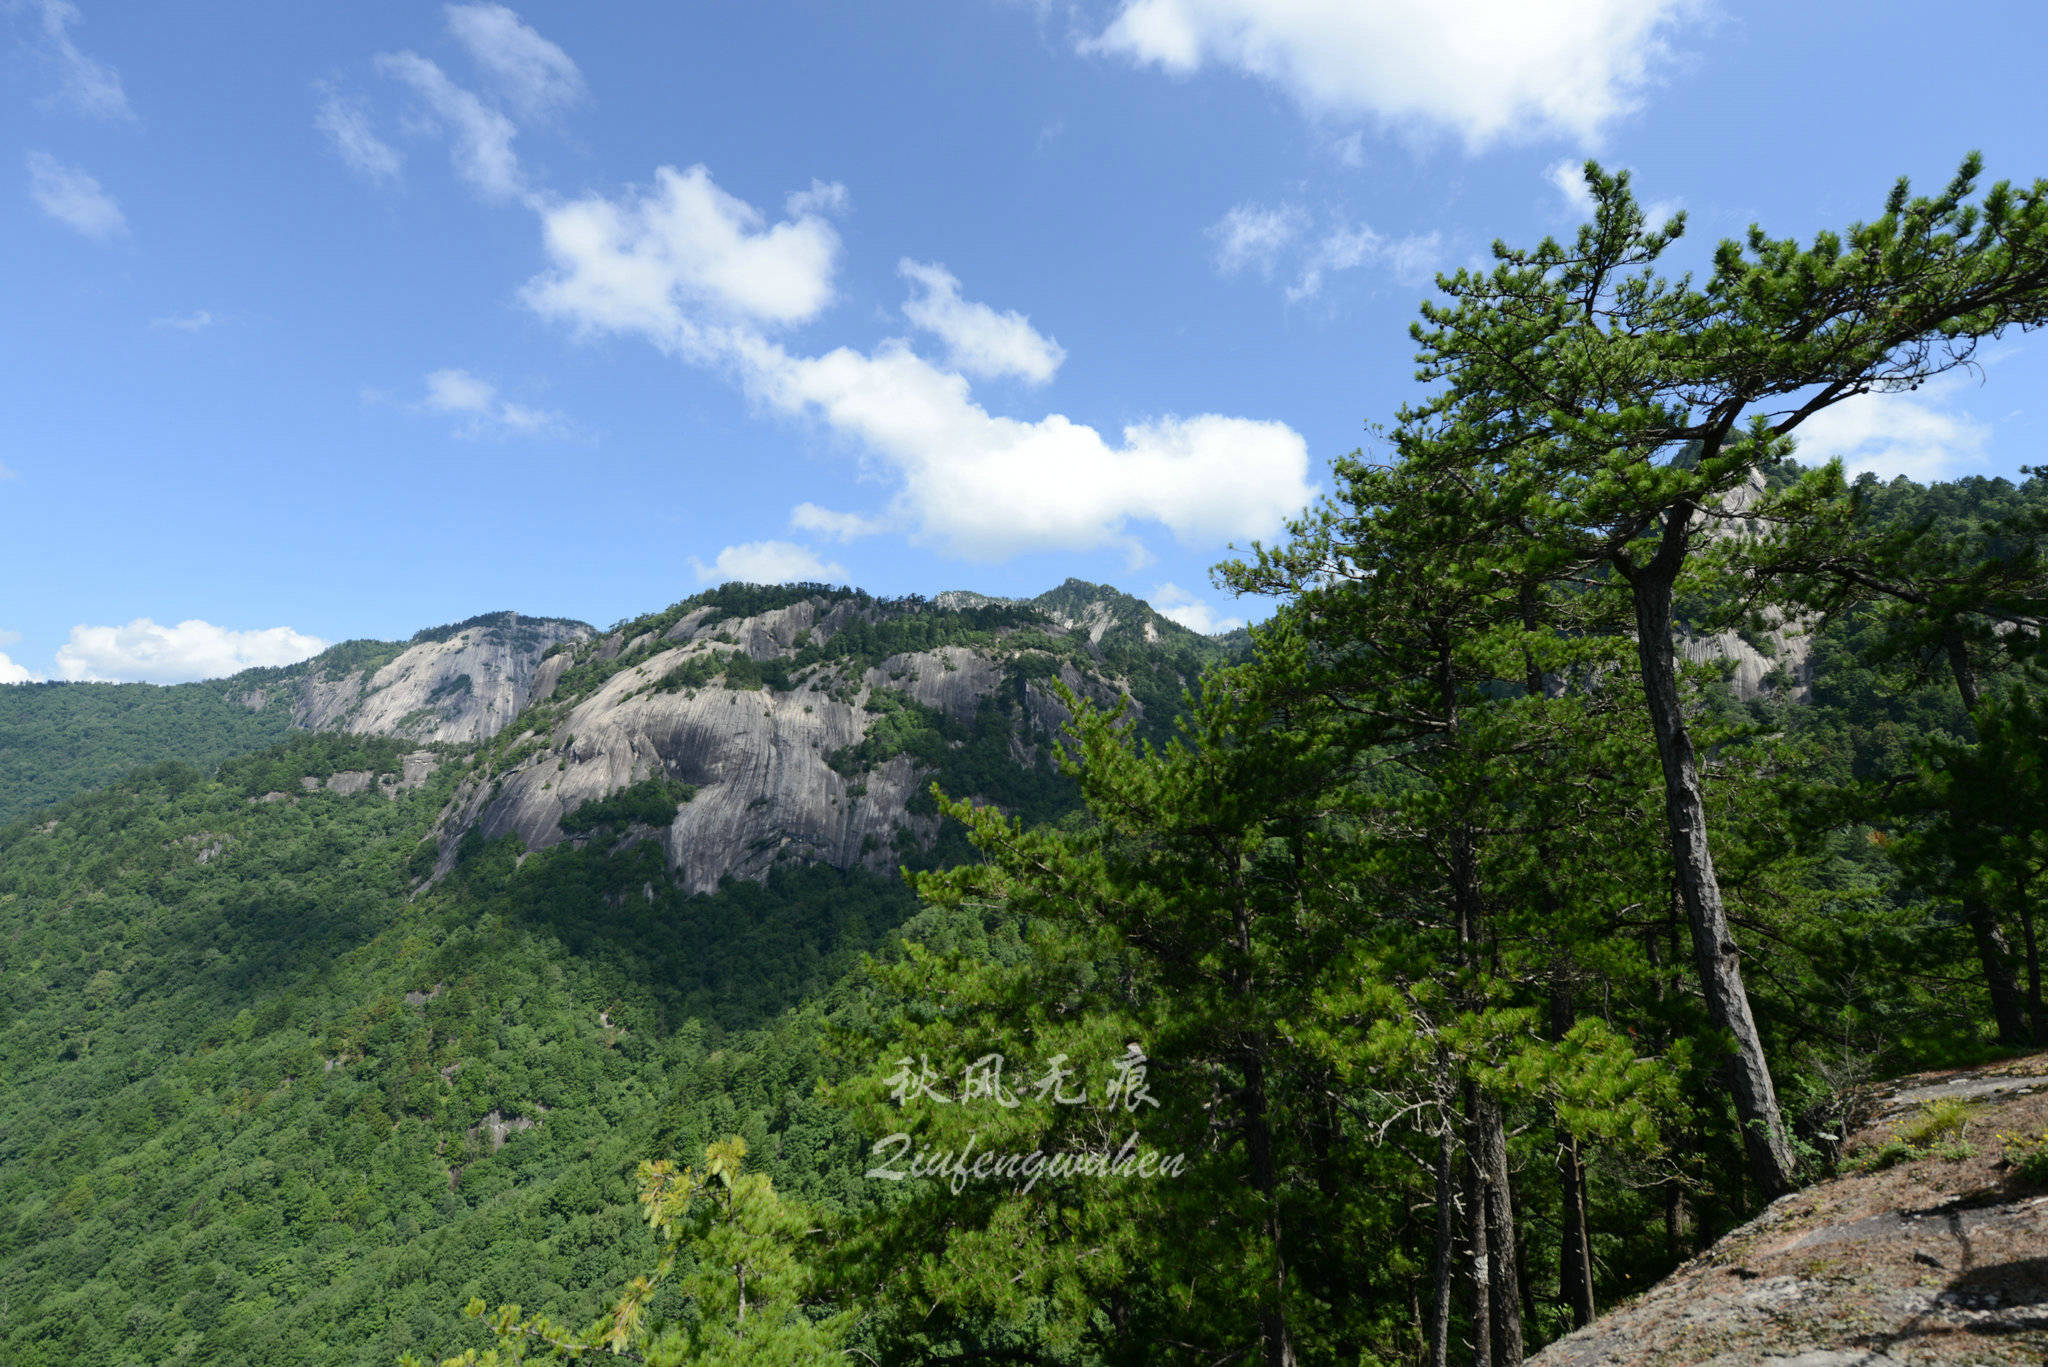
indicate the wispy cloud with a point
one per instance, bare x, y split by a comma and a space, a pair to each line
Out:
345, 120
87, 86
184, 322
1284, 239
481, 137
534, 74
74, 198
1254, 236
484, 411
809, 517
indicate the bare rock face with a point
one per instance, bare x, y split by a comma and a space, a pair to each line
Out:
759, 762
1776, 659
1779, 660
462, 687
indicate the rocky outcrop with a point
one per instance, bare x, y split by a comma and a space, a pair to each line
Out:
1929, 1254
462, 686
1776, 661
759, 762
775, 774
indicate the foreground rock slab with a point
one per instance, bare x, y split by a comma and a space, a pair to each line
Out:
1935, 1259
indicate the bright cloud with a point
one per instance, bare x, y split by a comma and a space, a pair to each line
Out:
74, 198
767, 562
1177, 604
1486, 70
534, 74
1911, 434
461, 394
143, 651
986, 487
91, 87
346, 122
979, 341
675, 262
695, 271
12, 673
482, 137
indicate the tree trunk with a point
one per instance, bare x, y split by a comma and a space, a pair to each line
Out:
1575, 1251
1503, 1275
1675, 1232
1446, 1243
2007, 1009
2034, 1009
1475, 1235
1714, 952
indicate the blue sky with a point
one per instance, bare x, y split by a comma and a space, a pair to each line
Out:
332, 321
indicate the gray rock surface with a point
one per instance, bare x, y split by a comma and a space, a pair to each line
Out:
759, 760
464, 688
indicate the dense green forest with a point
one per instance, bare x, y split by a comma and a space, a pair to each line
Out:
1448, 967
58, 739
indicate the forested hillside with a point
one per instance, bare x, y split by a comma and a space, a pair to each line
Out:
1407, 988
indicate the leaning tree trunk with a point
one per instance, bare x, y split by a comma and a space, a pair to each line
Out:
1714, 952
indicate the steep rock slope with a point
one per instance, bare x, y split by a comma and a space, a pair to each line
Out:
456, 683
747, 727
1927, 1252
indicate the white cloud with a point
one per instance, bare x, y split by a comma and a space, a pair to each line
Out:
1911, 434
986, 487
12, 673
459, 393
767, 562
346, 122
532, 72
144, 651
1254, 235
809, 517
694, 270
1570, 179
1487, 70
73, 198
482, 147
1176, 604
88, 86
979, 341
675, 262
184, 322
